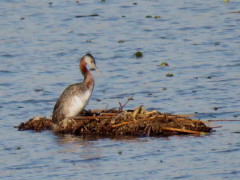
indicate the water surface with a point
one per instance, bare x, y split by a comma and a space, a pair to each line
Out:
40, 47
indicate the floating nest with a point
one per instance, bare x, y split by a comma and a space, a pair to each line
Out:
113, 122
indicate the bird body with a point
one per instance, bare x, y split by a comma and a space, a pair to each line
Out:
76, 96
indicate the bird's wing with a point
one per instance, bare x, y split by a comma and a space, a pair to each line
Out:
68, 92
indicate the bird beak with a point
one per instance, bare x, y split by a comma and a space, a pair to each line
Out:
96, 69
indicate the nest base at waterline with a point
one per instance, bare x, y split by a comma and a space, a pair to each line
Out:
113, 122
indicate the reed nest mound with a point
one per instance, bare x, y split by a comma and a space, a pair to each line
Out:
113, 122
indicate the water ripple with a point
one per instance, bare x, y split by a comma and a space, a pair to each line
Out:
41, 43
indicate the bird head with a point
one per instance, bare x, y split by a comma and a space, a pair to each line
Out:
90, 60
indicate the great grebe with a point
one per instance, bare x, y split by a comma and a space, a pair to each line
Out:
76, 96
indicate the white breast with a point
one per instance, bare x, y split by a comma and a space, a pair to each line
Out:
78, 103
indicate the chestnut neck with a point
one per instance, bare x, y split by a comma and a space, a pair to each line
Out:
88, 77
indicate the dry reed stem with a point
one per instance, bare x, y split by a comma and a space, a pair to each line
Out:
99, 110
109, 114
134, 121
91, 117
183, 130
222, 120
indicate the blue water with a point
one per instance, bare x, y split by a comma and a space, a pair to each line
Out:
40, 47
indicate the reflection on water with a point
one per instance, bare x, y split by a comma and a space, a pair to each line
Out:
40, 45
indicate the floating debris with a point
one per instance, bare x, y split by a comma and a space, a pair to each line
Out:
121, 41
169, 75
91, 15
120, 152
163, 64
138, 54
148, 16
215, 108
235, 12
38, 90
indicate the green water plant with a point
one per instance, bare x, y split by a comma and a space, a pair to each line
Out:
163, 64
148, 16
169, 75
138, 54
121, 41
